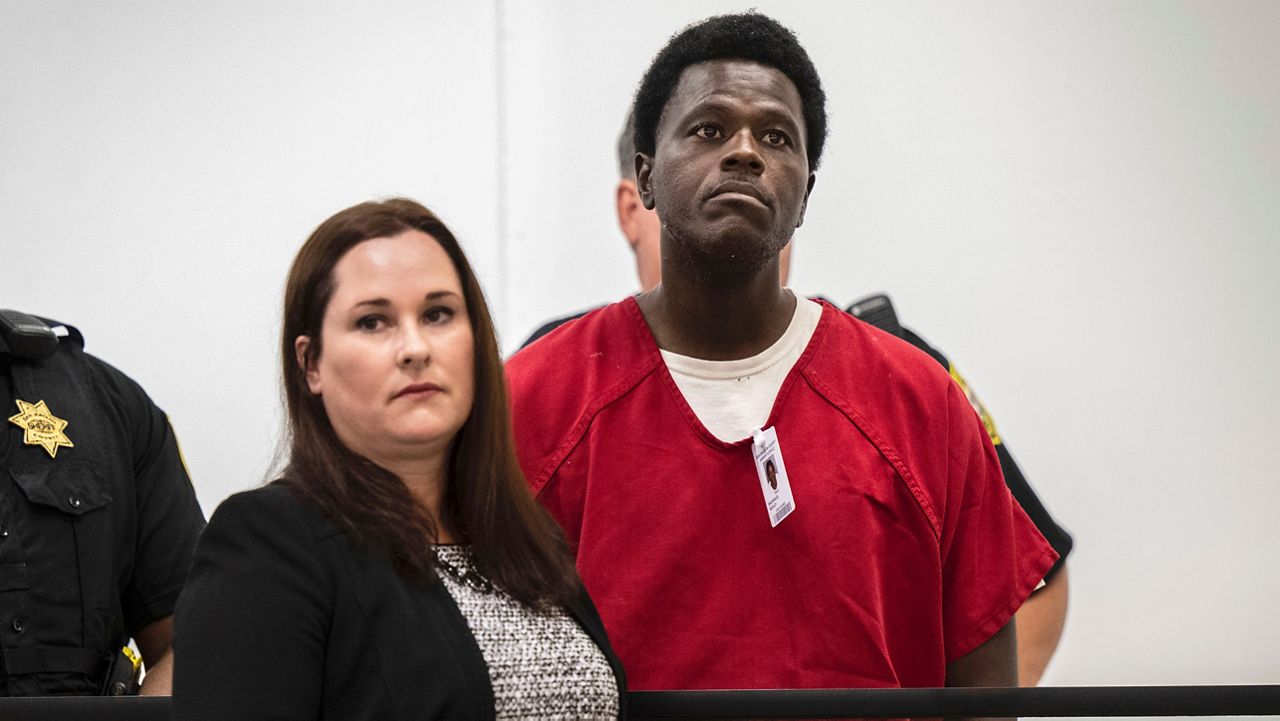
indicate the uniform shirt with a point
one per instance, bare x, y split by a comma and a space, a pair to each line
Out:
95, 541
905, 550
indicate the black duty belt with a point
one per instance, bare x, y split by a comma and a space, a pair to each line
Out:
52, 659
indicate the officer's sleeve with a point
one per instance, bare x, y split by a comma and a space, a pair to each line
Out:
250, 627
167, 515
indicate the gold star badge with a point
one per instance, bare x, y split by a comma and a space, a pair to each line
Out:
42, 427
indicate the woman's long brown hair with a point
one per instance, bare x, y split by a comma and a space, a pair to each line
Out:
514, 542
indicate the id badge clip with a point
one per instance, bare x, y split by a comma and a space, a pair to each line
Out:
774, 482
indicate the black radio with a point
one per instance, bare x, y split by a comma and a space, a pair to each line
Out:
26, 336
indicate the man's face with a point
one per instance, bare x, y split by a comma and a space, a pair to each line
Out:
643, 231
730, 176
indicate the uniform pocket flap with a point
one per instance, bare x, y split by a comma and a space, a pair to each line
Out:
13, 577
72, 487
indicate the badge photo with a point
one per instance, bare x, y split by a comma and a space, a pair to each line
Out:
772, 471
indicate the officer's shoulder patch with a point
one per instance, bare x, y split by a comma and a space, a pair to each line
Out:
987, 421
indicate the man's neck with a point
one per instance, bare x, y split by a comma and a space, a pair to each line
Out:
724, 320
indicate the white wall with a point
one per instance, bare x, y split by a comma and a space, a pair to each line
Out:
162, 162
1076, 202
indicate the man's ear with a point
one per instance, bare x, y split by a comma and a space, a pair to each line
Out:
627, 199
813, 178
644, 184
301, 348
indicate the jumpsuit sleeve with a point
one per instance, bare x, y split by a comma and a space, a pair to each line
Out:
992, 555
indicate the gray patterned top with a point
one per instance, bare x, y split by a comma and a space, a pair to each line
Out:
541, 663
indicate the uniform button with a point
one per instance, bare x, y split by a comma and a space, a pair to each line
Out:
17, 625
74, 502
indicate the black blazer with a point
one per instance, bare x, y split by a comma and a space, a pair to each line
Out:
284, 618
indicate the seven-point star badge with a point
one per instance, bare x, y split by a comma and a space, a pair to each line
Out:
42, 427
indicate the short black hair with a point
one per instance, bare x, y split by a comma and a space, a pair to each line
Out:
746, 36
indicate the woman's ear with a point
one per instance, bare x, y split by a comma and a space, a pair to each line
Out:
301, 348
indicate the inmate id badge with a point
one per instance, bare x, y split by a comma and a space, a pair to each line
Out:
773, 475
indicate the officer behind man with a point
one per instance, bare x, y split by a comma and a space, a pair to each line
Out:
98, 520
1042, 617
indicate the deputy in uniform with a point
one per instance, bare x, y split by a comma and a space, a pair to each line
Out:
98, 520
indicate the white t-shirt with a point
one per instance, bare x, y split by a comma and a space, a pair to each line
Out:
733, 398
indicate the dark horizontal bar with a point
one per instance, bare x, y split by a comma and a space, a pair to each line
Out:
1074, 701
85, 708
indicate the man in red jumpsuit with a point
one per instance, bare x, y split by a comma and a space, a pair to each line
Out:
889, 552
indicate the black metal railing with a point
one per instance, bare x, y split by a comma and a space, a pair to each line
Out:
1073, 701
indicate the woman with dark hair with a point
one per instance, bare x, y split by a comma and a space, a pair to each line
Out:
399, 567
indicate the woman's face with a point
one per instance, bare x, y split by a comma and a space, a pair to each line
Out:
396, 369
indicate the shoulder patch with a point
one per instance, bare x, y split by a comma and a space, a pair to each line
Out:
987, 421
